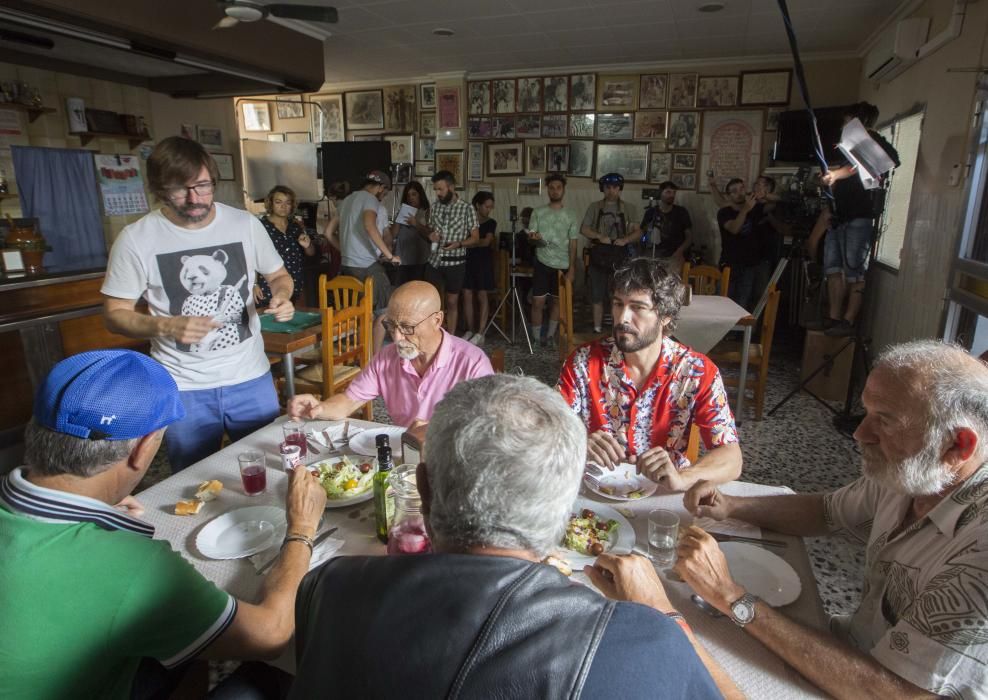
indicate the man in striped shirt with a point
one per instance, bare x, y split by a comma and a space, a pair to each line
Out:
454, 229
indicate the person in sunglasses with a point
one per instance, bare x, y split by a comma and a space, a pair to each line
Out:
414, 372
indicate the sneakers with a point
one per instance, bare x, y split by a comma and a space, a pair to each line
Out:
840, 329
477, 339
549, 342
467, 335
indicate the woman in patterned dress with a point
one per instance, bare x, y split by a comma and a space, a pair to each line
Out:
289, 238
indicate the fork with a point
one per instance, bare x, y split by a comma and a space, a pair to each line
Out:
591, 481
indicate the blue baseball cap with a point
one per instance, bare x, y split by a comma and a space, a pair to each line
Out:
107, 395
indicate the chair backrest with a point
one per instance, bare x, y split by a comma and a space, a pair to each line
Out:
497, 360
768, 323
707, 279
346, 340
346, 291
565, 340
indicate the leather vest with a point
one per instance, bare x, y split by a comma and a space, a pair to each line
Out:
444, 625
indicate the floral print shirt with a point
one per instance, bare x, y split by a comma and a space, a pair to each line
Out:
685, 387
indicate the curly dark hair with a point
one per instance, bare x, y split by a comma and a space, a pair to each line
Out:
651, 276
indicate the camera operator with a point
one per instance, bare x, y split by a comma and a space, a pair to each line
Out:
668, 229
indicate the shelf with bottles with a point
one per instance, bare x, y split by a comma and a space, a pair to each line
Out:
32, 112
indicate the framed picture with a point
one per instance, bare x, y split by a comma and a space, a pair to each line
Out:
289, 109
475, 161
536, 158
479, 97
298, 137
256, 117
557, 157
224, 163
583, 92
581, 158
717, 91
427, 95
188, 130
611, 127
503, 96
502, 127
682, 90
476, 187
731, 146
581, 126
765, 87
772, 118
528, 126
659, 167
400, 111
505, 158
449, 107
479, 127
652, 93
628, 159
555, 93
530, 185
427, 124
651, 124
427, 149
13, 260
366, 137
364, 110
617, 92
554, 126
402, 147
449, 134
327, 118
453, 162
529, 95
425, 168
684, 161
684, 181
211, 137
279, 138
684, 131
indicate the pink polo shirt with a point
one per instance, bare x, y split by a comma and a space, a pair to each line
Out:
410, 397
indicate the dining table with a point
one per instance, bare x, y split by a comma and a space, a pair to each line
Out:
757, 672
284, 344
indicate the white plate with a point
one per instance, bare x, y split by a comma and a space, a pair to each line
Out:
242, 532
762, 573
625, 535
352, 500
622, 481
364, 442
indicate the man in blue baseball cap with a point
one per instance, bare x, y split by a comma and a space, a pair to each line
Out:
91, 604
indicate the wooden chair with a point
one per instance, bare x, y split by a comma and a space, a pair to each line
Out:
758, 354
568, 339
497, 360
707, 279
346, 291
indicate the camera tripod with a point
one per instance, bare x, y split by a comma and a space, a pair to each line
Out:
512, 294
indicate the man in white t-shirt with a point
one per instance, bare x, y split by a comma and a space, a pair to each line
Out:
193, 261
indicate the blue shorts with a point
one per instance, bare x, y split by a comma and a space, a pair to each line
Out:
237, 410
847, 248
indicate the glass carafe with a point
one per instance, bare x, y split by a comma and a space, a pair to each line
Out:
407, 534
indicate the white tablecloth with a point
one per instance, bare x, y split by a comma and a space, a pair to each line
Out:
757, 672
706, 320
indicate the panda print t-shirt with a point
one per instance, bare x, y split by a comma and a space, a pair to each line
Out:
198, 272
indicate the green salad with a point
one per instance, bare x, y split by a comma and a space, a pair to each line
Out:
342, 478
590, 535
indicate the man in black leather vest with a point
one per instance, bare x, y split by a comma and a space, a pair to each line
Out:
482, 616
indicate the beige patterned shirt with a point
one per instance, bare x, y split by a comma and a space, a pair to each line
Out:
924, 607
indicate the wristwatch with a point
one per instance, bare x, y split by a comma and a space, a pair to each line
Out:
743, 609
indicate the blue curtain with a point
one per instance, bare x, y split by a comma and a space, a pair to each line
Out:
57, 186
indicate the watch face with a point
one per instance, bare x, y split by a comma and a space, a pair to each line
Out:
743, 611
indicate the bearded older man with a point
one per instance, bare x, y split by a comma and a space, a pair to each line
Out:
412, 374
922, 510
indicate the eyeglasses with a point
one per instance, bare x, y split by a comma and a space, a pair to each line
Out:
200, 188
406, 329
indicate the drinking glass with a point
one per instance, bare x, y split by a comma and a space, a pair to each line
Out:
252, 472
663, 531
294, 433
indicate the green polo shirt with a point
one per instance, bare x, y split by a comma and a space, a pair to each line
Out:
85, 594
557, 227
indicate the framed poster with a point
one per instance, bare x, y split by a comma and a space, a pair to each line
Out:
628, 159
617, 92
505, 158
427, 124
224, 163
557, 157
502, 127
211, 137
287, 108
682, 90
427, 95
427, 149
425, 168
402, 147
399, 108
529, 95
611, 127
581, 126
449, 107
554, 126
327, 118
453, 162
529, 185
582, 92
766, 87
475, 161
684, 181
528, 126
731, 146
684, 161
684, 131
256, 117
652, 91
479, 127
717, 91
651, 124
581, 158
536, 159
479, 97
503, 96
659, 167
555, 93
772, 118
298, 137
364, 110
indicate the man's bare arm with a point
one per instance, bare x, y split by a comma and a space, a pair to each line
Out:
801, 515
370, 225
122, 317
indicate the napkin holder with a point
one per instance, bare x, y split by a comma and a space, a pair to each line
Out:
413, 444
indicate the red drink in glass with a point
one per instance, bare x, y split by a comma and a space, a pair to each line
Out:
409, 538
255, 479
299, 440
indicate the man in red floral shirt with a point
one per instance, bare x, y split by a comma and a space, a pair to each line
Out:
639, 392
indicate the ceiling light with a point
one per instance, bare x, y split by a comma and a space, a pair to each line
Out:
711, 7
443, 31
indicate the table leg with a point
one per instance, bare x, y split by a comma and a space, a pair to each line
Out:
288, 367
743, 378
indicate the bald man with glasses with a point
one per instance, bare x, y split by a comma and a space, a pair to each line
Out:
414, 372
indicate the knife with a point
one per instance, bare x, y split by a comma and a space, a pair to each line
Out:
722, 537
315, 543
312, 445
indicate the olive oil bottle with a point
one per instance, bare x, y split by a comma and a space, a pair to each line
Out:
384, 502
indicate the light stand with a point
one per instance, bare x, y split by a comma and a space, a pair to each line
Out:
512, 293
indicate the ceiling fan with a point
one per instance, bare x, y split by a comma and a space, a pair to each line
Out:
249, 11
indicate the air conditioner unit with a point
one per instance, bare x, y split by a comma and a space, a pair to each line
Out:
896, 49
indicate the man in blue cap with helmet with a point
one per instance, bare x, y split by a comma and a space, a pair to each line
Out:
92, 605
611, 224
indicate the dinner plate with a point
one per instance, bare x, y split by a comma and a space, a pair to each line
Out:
364, 442
624, 543
622, 484
352, 500
762, 573
242, 532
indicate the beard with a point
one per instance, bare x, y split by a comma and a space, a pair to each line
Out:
553, 198
191, 213
923, 474
447, 198
637, 341
407, 351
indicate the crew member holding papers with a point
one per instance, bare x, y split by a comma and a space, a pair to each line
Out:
410, 231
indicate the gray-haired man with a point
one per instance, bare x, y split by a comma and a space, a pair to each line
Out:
482, 616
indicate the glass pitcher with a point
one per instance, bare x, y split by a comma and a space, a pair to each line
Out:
407, 534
